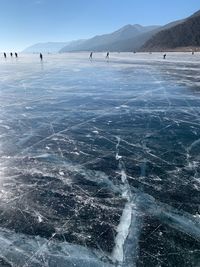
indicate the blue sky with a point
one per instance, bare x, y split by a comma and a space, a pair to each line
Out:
25, 22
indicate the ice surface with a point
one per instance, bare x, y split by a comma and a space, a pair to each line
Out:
100, 160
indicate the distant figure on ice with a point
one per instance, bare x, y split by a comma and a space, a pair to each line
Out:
11, 54
91, 54
164, 56
192, 52
16, 55
4, 55
41, 56
107, 55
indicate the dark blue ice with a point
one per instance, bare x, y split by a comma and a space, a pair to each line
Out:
99, 161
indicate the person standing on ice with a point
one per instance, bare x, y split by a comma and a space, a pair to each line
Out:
11, 54
164, 56
91, 54
107, 55
4, 55
16, 55
41, 56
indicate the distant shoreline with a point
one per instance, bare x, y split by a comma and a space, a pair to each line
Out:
177, 49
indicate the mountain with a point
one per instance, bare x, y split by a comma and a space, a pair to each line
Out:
196, 14
175, 35
185, 34
120, 40
51, 47
73, 44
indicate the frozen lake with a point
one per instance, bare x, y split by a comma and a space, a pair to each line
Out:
100, 160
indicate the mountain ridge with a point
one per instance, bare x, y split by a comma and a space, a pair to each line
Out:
184, 34
51, 47
133, 37
106, 42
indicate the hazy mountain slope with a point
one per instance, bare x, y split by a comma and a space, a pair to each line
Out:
110, 41
135, 43
184, 34
132, 44
128, 38
51, 47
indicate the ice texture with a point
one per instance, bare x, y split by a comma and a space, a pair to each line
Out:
99, 160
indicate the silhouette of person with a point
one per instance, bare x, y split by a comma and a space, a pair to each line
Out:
4, 55
16, 55
41, 56
107, 55
192, 52
11, 54
164, 56
91, 54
